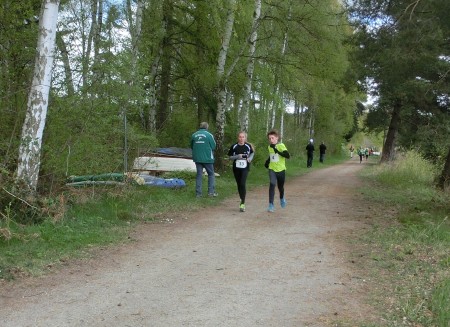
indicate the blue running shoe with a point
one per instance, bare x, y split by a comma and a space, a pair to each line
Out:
283, 203
271, 207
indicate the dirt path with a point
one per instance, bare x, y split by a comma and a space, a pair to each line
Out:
217, 267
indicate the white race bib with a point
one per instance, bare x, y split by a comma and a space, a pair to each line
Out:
274, 157
241, 163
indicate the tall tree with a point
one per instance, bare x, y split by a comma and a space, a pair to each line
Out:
404, 46
68, 76
166, 65
135, 30
222, 81
33, 127
250, 67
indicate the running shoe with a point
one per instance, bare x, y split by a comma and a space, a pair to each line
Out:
271, 207
213, 194
283, 203
242, 207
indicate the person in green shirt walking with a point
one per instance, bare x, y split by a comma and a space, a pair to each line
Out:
276, 163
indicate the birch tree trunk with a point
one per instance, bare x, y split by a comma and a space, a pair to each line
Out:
87, 43
311, 122
302, 116
202, 29
33, 127
149, 121
98, 30
221, 87
273, 110
250, 67
153, 101
277, 96
166, 66
135, 29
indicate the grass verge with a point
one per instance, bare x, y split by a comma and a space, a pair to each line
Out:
407, 252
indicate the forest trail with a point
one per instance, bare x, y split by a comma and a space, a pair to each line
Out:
217, 267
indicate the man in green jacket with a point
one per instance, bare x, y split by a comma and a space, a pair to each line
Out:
203, 146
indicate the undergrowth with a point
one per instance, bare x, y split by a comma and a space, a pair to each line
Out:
408, 248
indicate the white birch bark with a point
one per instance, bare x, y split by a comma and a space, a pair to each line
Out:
221, 78
277, 83
98, 31
250, 67
283, 51
33, 127
135, 29
302, 115
152, 93
274, 105
88, 43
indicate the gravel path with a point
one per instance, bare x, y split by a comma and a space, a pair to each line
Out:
216, 267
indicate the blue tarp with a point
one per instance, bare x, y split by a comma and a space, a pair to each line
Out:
163, 182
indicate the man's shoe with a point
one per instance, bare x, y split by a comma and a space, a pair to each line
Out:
213, 194
271, 207
283, 203
242, 207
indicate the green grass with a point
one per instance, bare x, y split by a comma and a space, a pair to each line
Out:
408, 249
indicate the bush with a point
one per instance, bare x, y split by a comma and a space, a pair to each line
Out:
409, 169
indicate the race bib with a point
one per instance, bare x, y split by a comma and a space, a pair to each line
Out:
274, 157
241, 163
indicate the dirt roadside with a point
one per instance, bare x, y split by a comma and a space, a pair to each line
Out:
218, 267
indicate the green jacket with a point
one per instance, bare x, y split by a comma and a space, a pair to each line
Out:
203, 146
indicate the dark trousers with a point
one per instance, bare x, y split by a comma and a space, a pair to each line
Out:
240, 175
310, 160
276, 179
322, 157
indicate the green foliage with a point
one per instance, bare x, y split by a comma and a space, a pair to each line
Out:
18, 38
411, 170
87, 139
19, 207
84, 131
402, 60
178, 129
